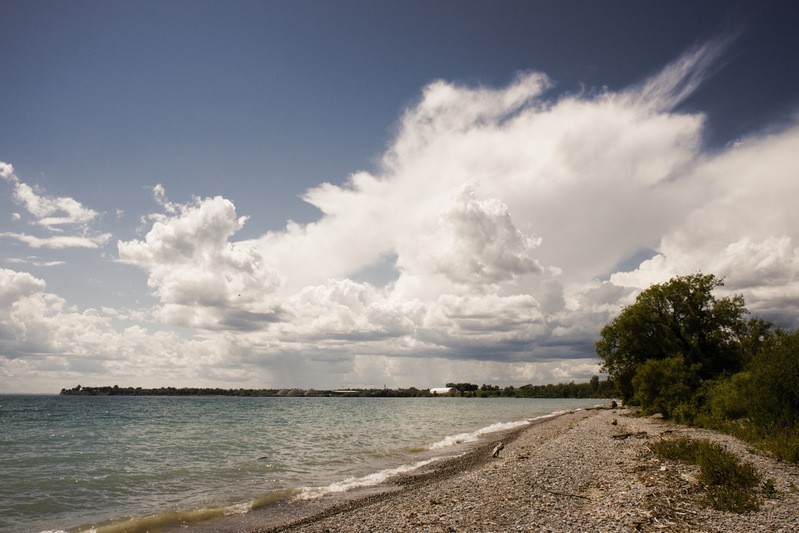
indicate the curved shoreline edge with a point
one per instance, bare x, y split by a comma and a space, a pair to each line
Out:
574, 472
298, 514
417, 480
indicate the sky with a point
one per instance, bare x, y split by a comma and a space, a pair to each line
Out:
324, 194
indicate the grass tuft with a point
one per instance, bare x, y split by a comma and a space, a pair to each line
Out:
770, 488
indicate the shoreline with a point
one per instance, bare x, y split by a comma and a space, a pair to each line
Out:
570, 472
295, 513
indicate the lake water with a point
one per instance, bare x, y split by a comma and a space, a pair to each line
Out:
77, 462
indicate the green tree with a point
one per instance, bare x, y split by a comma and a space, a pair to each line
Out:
463, 388
682, 318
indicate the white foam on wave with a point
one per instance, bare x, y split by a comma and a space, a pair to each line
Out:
460, 438
553, 414
369, 480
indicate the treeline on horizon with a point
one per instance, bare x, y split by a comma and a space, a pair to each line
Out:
704, 361
595, 388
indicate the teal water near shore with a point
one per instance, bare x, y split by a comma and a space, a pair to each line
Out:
70, 463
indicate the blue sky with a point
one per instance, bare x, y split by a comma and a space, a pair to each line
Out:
501, 179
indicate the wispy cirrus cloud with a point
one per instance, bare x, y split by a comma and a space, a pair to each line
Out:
57, 242
65, 220
35, 261
681, 78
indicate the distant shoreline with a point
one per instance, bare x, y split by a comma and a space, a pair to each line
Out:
590, 390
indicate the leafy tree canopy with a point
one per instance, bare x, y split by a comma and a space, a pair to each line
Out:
679, 318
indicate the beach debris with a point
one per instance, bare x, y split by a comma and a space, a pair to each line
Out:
691, 480
558, 493
601, 407
637, 435
498, 448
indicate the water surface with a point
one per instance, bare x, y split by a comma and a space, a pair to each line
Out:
72, 461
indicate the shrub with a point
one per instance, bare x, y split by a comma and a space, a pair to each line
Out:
728, 480
731, 499
682, 449
727, 399
661, 385
761, 404
773, 392
719, 467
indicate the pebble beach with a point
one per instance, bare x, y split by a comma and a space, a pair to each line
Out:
573, 472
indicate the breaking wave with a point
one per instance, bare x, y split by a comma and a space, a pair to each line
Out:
461, 438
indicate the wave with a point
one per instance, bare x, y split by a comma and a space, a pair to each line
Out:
554, 414
461, 438
381, 476
369, 480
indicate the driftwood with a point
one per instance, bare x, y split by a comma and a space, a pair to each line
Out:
612, 405
637, 435
556, 493
499, 447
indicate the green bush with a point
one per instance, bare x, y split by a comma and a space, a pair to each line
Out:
731, 499
661, 385
722, 468
727, 399
682, 449
761, 404
782, 442
729, 481
773, 391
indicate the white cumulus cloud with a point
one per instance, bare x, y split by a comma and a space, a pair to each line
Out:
746, 230
203, 279
501, 211
511, 225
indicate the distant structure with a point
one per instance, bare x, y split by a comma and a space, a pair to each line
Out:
442, 391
